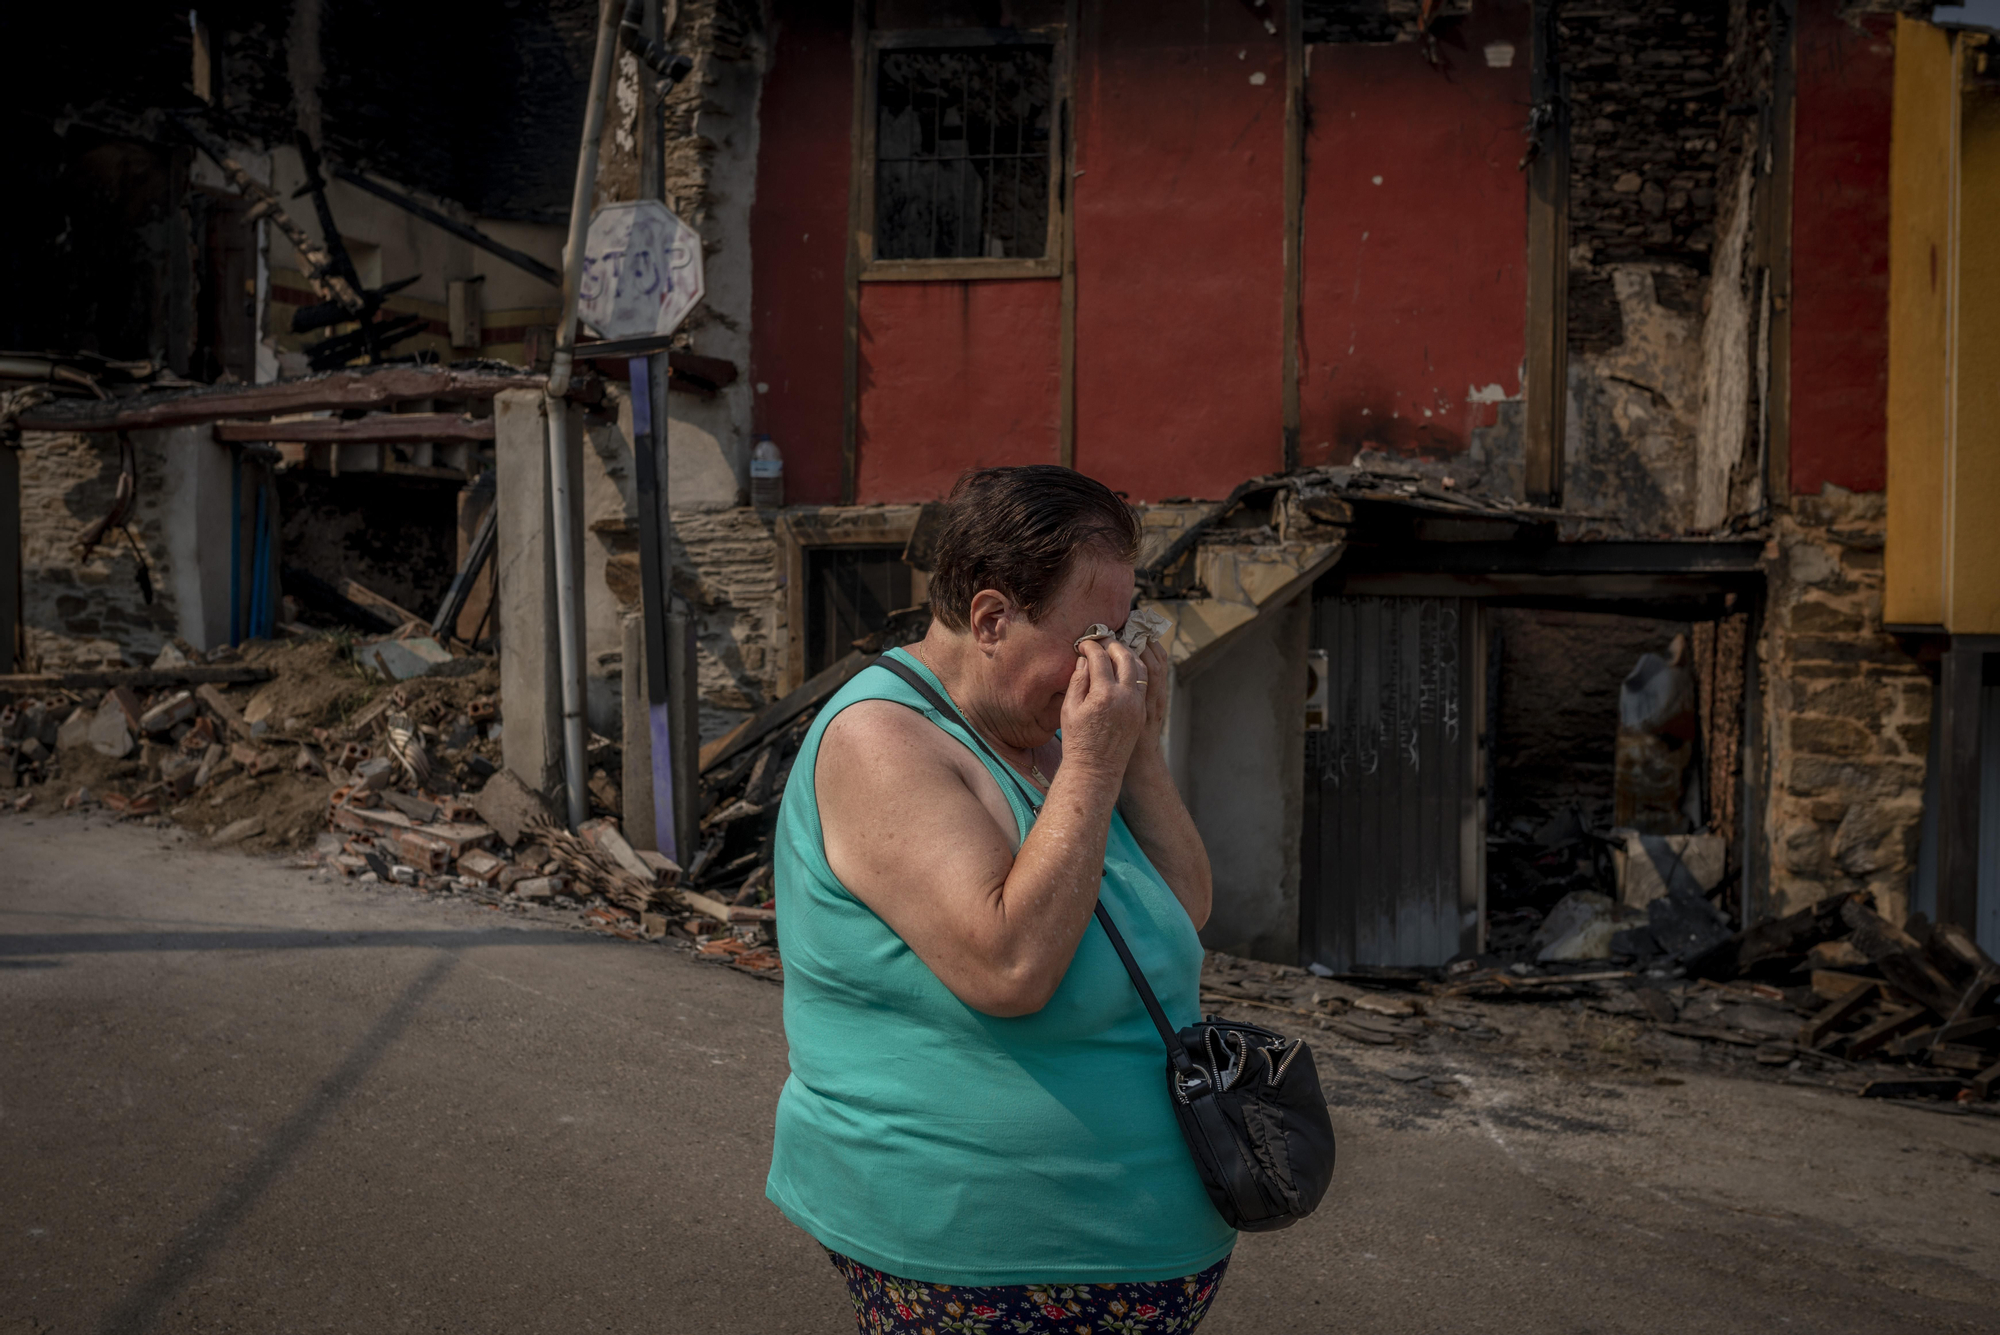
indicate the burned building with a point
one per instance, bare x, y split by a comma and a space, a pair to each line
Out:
1554, 425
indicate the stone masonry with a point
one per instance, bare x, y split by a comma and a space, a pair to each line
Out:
92, 613
1847, 710
726, 565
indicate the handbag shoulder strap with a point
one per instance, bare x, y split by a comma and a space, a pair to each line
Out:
1176, 1051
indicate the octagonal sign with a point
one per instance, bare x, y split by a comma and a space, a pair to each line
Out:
641, 270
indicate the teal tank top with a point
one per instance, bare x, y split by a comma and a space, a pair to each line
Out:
923, 1138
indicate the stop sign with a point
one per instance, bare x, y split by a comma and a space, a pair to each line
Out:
641, 270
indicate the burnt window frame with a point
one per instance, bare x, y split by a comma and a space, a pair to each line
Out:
798, 532
1047, 265
831, 647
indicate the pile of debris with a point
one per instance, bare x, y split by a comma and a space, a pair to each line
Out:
243, 746
369, 769
1834, 989
502, 846
1927, 995
743, 773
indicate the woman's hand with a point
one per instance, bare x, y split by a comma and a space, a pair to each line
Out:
1153, 671
1152, 804
1108, 707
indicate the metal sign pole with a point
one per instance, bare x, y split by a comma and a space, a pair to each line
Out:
669, 729
648, 416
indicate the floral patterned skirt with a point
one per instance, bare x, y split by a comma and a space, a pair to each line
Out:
885, 1305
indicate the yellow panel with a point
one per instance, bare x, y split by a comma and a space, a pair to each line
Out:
1974, 571
1920, 184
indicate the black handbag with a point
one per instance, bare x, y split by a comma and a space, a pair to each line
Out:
1248, 1099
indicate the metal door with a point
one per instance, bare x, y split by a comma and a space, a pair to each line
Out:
1394, 847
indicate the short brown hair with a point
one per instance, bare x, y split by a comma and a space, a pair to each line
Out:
1018, 531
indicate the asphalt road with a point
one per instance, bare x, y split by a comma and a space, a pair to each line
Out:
235, 1098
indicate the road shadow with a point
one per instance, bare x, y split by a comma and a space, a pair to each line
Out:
191, 1250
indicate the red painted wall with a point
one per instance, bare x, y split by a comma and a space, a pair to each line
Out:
1179, 216
1840, 251
955, 376
798, 246
1413, 301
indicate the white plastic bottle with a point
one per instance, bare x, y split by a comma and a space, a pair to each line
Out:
767, 475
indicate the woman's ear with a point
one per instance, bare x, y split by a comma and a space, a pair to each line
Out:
987, 618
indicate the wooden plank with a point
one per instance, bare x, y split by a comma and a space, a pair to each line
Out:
860, 246
1295, 214
138, 679
1953, 947
1548, 268
1913, 974
726, 913
1961, 1029
374, 429
363, 596
1923, 164
760, 725
1879, 1033
444, 222
1816, 1030
1983, 1084
958, 270
1793, 934
377, 388
1957, 1057
1774, 237
1066, 194
1942, 1035
1831, 984
1913, 1087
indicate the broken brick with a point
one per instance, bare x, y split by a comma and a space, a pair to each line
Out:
480, 865
175, 709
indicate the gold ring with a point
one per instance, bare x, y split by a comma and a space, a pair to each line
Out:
1142, 683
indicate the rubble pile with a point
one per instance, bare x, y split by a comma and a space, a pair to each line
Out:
743, 774
295, 746
249, 746
1834, 990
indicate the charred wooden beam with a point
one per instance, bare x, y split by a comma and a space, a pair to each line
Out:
357, 388
374, 429
464, 231
138, 679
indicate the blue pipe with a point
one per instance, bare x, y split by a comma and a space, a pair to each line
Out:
235, 547
257, 570
270, 558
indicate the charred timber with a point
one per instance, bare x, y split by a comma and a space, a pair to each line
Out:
359, 388
374, 429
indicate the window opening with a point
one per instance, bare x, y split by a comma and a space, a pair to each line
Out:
962, 139
852, 592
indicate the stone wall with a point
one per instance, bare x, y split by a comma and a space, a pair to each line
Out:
726, 565
1848, 712
91, 613
1663, 293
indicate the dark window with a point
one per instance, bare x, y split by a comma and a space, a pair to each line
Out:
962, 153
850, 593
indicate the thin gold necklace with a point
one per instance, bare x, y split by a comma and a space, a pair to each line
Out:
1034, 770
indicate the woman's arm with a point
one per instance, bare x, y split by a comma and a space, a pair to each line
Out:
915, 827
1152, 805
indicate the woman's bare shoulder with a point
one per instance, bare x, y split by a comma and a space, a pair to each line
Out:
877, 741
